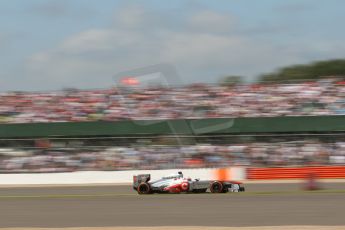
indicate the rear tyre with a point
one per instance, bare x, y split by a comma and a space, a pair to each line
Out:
216, 187
144, 188
242, 189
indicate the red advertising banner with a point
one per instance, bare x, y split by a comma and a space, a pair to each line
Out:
296, 172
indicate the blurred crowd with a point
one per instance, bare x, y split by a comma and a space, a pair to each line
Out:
324, 97
296, 153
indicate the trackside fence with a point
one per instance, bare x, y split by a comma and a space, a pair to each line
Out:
126, 177
322, 172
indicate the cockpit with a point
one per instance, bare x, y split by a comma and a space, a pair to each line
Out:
173, 176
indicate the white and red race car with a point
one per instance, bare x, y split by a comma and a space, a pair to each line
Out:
176, 183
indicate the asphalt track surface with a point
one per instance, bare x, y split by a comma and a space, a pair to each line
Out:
101, 206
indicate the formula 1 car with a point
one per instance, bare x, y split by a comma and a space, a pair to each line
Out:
176, 183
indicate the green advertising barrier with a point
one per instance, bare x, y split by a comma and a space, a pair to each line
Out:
171, 127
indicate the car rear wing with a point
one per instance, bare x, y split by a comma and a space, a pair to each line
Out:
137, 179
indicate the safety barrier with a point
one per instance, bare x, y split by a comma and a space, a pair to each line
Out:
125, 177
173, 127
323, 172
110, 177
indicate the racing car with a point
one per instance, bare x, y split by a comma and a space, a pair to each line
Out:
176, 183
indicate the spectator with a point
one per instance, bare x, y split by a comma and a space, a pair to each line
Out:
164, 157
195, 101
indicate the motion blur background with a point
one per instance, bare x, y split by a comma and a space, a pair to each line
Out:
93, 92
259, 84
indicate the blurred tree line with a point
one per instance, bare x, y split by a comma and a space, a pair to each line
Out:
312, 71
232, 80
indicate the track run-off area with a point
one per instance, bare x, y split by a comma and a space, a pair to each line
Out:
278, 204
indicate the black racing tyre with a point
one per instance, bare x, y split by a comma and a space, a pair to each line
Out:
216, 187
242, 189
144, 188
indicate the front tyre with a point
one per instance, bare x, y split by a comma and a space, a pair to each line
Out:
144, 188
216, 187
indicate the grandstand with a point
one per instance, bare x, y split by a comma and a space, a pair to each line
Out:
195, 126
312, 98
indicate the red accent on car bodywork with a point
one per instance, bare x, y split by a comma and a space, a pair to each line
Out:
177, 188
